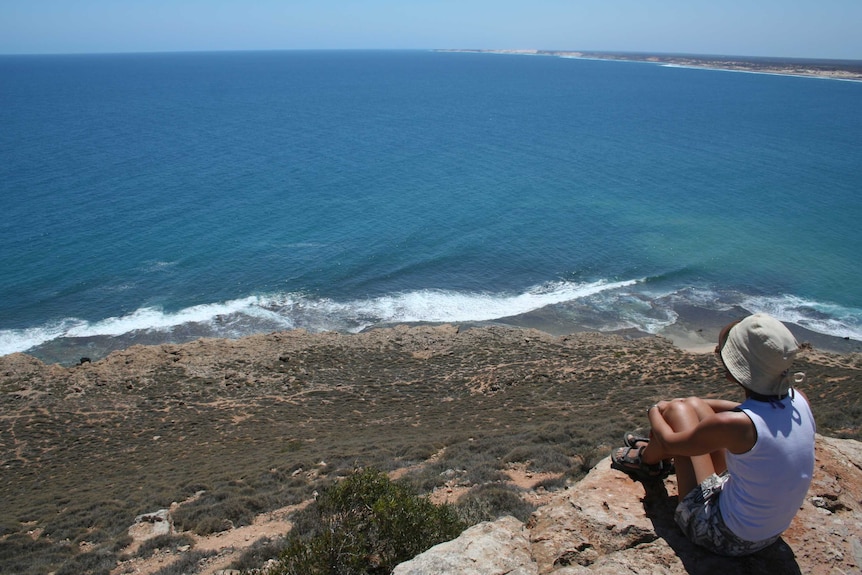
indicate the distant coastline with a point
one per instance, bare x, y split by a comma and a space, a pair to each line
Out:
818, 68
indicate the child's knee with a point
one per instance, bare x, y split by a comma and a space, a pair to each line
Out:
677, 405
686, 402
683, 409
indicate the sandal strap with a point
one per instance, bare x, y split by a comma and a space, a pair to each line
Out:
651, 468
631, 438
633, 464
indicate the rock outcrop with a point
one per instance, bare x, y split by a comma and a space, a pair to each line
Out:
502, 546
150, 525
609, 524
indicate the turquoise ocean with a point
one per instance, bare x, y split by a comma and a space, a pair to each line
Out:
164, 197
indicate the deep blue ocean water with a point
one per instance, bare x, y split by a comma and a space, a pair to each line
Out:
161, 197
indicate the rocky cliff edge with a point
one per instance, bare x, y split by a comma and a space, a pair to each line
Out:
609, 524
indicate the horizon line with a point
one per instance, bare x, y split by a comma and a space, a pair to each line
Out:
538, 51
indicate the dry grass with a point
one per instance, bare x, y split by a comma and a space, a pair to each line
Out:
84, 450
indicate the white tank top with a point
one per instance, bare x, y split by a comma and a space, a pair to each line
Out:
768, 483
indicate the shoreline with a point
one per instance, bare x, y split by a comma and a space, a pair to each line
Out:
847, 70
695, 331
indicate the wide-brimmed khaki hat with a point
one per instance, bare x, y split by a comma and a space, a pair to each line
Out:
758, 353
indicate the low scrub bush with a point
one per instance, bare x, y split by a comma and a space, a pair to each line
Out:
490, 502
22, 555
416, 453
553, 433
236, 503
588, 457
484, 473
186, 564
121, 542
553, 483
259, 553
95, 522
164, 543
209, 524
539, 458
364, 525
98, 562
7, 528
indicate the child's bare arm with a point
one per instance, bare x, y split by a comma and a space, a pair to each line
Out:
719, 405
733, 431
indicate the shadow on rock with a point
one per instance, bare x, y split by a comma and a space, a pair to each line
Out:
659, 508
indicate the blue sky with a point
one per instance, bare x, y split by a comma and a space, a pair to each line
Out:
790, 28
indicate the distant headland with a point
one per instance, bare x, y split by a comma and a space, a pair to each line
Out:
834, 69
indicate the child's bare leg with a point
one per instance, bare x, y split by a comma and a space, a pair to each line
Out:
683, 414
719, 463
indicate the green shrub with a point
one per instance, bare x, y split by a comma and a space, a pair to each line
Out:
364, 525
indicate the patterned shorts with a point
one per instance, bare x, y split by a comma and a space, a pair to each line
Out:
700, 519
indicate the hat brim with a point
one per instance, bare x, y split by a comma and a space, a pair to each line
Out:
733, 358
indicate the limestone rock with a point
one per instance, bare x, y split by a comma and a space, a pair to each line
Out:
609, 524
491, 548
149, 525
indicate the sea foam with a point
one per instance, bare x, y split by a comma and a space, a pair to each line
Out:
263, 313
600, 305
825, 318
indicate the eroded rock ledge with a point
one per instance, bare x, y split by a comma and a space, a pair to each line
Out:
609, 524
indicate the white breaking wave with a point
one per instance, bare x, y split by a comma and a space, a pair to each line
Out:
600, 305
144, 319
289, 311
443, 306
12, 340
825, 318
156, 319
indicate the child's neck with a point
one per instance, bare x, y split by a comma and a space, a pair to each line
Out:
765, 398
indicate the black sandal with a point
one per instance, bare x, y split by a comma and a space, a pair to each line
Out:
635, 467
631, 439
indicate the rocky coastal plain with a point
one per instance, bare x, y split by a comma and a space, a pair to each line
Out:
232, 434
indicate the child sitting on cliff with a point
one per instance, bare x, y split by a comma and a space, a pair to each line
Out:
743, 470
